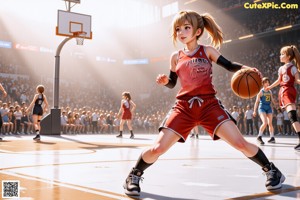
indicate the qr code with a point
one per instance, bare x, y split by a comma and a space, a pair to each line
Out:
10, 189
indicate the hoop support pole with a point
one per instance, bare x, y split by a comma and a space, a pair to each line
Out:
56, 74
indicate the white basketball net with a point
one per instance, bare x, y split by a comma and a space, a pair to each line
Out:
79, 37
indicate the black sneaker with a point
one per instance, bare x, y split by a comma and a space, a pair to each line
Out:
132, 183
0, 139
37, 138
131, 136
119, 136
197, 136
274, 177
259, 140
297, 148
271, 140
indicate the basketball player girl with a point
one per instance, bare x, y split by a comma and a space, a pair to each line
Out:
196, 102
39, 99
126, 110
5, 94
288, 75
263, 102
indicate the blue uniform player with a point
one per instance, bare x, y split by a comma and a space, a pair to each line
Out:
263, 102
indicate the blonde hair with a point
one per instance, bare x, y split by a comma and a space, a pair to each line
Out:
293, 54
198, 21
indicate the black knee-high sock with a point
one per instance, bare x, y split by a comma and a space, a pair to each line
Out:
131, 132
260, 158
298, 136
141, 164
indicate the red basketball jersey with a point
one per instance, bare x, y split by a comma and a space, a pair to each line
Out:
126, 110
195, 74
286, 75
287, 92
126, 106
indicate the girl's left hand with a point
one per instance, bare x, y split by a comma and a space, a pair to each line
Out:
257, 71
254, 69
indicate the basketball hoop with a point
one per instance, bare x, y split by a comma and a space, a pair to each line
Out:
79, 37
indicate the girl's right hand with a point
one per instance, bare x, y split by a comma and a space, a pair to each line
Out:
162, 79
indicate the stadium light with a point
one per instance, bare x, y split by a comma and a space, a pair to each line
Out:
227, 41
284, 27
246, 36
188, 2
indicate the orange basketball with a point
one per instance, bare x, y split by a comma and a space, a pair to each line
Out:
246, 83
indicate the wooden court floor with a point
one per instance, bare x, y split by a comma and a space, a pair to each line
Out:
93, 167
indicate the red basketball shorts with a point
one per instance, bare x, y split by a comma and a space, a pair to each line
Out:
186, 114
126, 116
287, 96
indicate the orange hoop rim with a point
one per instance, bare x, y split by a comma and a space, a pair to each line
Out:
79, 34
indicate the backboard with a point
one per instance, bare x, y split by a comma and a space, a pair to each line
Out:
70, 23
74, 1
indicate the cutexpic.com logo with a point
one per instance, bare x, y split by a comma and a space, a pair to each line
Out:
270, 5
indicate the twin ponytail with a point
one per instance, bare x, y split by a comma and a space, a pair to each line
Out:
204, 21
296, 56
213, 29
293, 54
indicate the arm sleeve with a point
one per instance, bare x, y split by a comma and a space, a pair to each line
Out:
172, 80
230, 66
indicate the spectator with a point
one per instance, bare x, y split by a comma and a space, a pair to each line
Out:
249, 120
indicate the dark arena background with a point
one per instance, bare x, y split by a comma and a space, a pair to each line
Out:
131, 44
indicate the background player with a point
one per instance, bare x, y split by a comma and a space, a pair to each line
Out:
288, 75
126, 111
263, 102
39, 99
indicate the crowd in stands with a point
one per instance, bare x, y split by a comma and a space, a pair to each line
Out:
80, 108
82, 104
252, 21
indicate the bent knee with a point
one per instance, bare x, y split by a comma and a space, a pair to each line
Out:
158, 150
240, 144
264, 123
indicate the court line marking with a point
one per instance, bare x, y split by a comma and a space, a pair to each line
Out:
248, 197
116, 161
68, 185
50, 152
5, 151
117, 196
266, 194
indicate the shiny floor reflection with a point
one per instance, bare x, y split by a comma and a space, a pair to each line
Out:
92, 167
